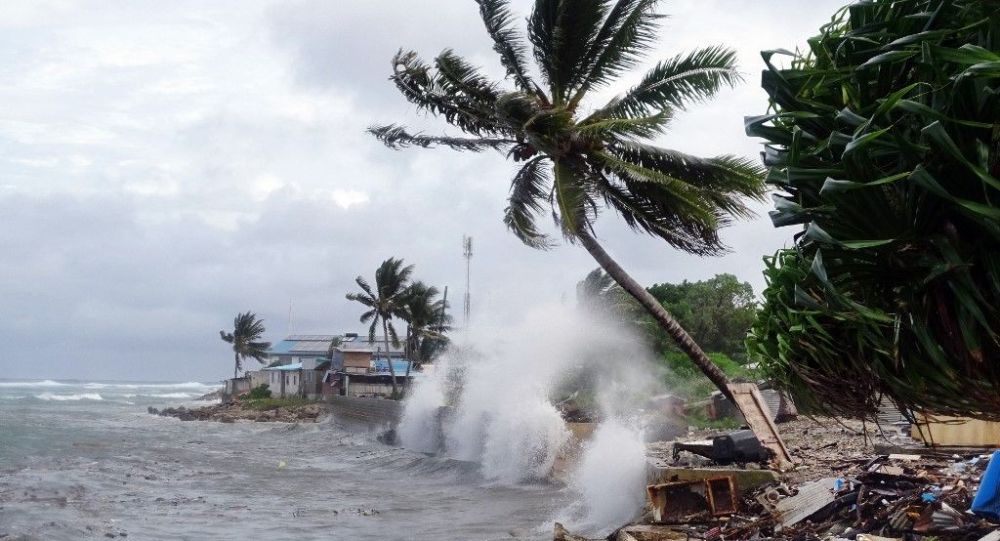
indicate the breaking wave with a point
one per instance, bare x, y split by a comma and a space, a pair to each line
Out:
69, 397
43, 383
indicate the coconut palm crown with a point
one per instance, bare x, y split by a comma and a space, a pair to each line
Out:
384, 302
577, 160
245, 338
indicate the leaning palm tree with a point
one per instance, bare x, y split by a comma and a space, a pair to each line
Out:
386, 301
426, 321
575, 160
245, 338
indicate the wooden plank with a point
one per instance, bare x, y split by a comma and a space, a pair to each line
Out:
956, 431
750, 402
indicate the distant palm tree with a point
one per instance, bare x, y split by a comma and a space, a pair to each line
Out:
576, 160
427, 322
386, 301
247, 331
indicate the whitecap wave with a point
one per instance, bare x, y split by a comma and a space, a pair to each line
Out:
172, 395
191, 385
69, 397
43, 383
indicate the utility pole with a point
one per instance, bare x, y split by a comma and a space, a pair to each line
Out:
467, 254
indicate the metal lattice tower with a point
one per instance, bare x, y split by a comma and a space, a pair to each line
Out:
467, 254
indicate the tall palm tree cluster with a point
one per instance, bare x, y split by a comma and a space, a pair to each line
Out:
395, 296
246, 340
577, 160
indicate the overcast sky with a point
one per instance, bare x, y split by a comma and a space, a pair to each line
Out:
165, 165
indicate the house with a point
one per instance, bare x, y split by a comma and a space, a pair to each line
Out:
366, 377
306, 366
297, 380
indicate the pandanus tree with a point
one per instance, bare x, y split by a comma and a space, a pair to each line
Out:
245, 338
387, 300
884, 141
576, 160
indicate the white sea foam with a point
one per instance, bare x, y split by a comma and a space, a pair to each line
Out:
502, 380
172, 395
43, 383
192, 385
610, 477
69, 397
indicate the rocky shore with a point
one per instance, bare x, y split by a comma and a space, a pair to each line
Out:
237, 411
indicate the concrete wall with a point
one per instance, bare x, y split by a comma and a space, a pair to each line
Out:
257, 378
370, 412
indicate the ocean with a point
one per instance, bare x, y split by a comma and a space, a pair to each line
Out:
84, 460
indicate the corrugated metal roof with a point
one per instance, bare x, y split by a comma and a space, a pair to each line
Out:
286, 367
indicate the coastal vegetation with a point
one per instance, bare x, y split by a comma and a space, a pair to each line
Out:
884, 141
246, 340
416, 303
718, 313
577, 161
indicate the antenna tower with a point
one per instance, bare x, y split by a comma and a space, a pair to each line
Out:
467, 254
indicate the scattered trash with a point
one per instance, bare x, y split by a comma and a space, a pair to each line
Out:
692, 501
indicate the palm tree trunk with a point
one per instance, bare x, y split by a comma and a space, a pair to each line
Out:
388, 356
236, 365
659, 313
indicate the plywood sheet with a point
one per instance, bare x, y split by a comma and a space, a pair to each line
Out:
956, 431
750, 402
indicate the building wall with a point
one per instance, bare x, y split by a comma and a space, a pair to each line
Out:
366, 389
293, 378
275, 382
257, 378
357, 362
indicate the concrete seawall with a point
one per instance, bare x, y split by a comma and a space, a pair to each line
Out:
372, 413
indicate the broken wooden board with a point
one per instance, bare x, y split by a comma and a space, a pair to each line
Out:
811, 498
750, 402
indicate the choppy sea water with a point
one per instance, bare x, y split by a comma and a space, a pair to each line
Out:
83, 460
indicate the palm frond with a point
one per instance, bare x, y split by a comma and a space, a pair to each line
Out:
507, 43
527, 192
642, 127
396, 137
647, 207
431, 92
459, 77
678, 82
728, 180
561, 33
628, 32
571, 197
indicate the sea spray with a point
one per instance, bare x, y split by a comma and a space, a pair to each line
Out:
610, 477
498, 383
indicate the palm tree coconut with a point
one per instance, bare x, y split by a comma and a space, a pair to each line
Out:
426, 322
386, 301
575, 160
245, 338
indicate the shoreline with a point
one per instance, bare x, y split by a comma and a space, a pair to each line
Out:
309, 412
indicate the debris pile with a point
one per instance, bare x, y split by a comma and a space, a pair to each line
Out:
891, 497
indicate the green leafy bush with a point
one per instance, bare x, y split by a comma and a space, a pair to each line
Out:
258, 392
884, 141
